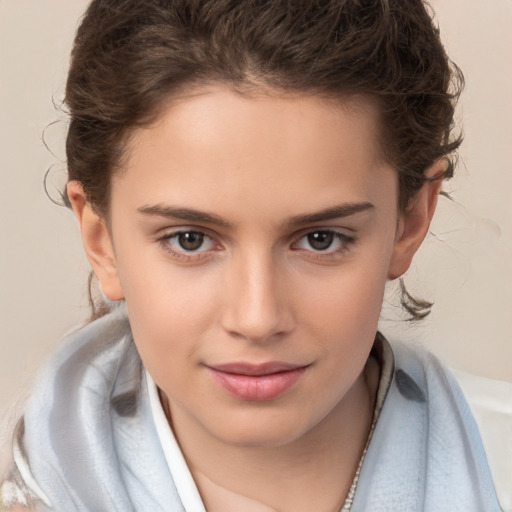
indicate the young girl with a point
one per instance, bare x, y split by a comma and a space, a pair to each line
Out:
247, 176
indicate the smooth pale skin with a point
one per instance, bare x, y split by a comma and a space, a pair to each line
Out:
257, 290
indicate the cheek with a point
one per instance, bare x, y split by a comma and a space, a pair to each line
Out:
348, 300
341, 318
170, 309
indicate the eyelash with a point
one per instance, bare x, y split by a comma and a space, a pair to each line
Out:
345, 242
192, 255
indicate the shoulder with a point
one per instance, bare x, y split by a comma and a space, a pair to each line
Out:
487, 403
490, 401
18, 489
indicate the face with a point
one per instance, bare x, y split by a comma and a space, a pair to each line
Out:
252, 237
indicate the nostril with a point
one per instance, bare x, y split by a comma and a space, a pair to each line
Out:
255, 304
256, 323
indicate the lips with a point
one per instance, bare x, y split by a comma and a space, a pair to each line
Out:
256, 382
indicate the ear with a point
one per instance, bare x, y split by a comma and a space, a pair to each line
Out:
414, 223
97, 242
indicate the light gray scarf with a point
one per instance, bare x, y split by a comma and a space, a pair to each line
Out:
91, 444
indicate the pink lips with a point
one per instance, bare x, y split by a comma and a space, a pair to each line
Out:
256, 382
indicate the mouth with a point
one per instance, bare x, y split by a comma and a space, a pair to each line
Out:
259, 382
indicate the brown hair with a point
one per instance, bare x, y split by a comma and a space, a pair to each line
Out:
130, 56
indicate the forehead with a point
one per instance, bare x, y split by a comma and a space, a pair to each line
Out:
219, 142
262, 106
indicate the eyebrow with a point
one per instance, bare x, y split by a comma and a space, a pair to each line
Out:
334, 212
192, 215
189, 214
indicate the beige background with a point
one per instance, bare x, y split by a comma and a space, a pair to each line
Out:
466, 268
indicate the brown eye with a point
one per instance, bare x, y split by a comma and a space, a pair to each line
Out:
189, 245
191, 240
321, 240
324, 243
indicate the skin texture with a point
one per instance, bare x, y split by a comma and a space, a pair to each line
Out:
258, 289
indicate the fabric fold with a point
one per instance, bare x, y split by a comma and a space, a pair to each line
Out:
89, 439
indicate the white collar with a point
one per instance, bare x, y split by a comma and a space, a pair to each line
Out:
185, 485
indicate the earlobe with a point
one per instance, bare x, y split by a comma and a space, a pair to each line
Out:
97, 242
414, 223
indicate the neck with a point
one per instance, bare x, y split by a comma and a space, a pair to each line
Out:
313, 472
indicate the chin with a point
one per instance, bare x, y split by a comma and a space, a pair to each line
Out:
261, 433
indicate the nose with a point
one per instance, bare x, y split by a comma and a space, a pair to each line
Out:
257, 306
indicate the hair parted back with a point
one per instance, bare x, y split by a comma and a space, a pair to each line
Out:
131, 56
